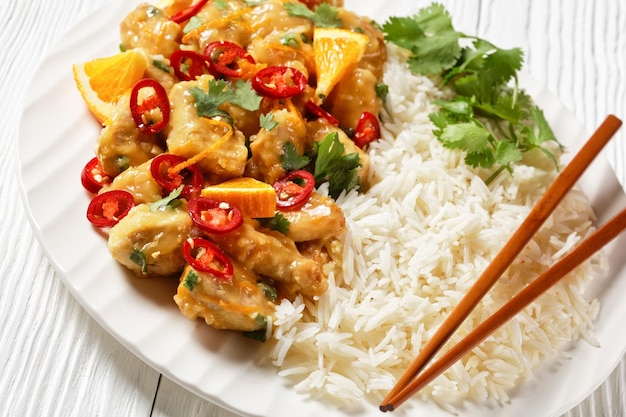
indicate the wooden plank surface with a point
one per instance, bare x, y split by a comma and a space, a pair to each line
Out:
56, 361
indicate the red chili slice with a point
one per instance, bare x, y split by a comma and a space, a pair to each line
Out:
223, 58
108, 208
289, 194
214, 216
188, 64
205, 256
191, 177
279, 82
187, 13
319, 112
157, 100
367, 130
92, 177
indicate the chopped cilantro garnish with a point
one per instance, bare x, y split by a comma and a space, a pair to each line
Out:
324, 16
139, 258
290, 158
219, 92
267, 121
194, 23
279, 223
381, 91
162, 66
190, 280
152, 11
260, 335
220, 4
290, 39
122, 47
170, 201
332, 166
492, 121
269, 291
122, 162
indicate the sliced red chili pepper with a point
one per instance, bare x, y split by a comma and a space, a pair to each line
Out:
157, 100
188, 64
213, 216
187, 13
205, 256
289, 194
223, 58
319, 112
191, 177
92, 177
279, 82
108, 208
367, 130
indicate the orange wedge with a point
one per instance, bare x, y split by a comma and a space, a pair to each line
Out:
171, 7
337, 51
103, 80
254, 198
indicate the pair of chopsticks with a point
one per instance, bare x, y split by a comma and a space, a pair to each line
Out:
412, 381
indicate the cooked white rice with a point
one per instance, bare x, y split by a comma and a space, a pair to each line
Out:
416, 241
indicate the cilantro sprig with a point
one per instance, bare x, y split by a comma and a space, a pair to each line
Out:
219, 92
324, 16
490, 118
327, 162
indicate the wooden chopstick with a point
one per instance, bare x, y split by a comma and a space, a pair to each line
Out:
537, 216
529, 294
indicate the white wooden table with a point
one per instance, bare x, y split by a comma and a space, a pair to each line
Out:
55, 360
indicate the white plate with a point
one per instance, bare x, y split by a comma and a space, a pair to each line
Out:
57, 136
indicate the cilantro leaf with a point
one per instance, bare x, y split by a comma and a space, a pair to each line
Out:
220, 92
332, 166
490, 119
191, 279
139, 258
279, 223
194, 23
324, 16
261, 334
170, 201
267, 121
290, 159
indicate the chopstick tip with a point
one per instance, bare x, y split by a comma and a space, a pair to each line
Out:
386, 407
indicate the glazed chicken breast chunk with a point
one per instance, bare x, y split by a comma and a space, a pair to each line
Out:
149, 242
238, 303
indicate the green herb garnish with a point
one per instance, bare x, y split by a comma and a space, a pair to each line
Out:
139, 258
332, 166
261, 334
162, 66
190, 280
290, 159
171, 201
324, 16
267, 121
279, 223
269, 291
194, 23
491, 119
219, 92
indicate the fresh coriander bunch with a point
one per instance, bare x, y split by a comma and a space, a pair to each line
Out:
490, 117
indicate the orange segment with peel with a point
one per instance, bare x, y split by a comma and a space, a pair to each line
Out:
103, 80
337, 51
253, 198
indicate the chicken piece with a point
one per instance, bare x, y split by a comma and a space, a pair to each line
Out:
267, 146
189, 134
217, 26
320, 128
156, 235
149, 28
319, 218
274, 255
161, 73
139, 182
352, 96
239, 303
272, 17
121, 145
